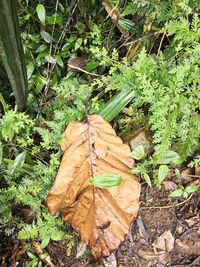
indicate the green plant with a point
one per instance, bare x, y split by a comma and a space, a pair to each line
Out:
138, 153
18, 126
195, 162
148, 81
161, 175
45, 229
174, 121
184, 191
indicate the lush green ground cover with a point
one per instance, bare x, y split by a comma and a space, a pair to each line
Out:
155, 64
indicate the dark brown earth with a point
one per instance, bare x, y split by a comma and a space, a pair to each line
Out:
180, 246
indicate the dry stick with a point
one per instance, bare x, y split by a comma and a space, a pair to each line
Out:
56, 9
82, 70
141, 38
124, 43
161, 43
169, 206
149, 52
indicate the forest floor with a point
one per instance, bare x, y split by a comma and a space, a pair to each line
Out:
164, 234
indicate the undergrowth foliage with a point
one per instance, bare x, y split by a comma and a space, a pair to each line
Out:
166, 87
163, 79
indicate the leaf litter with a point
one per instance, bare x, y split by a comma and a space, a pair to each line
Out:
102, 215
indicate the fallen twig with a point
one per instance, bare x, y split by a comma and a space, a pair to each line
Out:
169, 206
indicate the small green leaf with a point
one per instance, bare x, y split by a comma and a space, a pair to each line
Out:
92, 65
106, 180
27, 16
191, 189
46, 37
138, 152
40, 82
177, 172
41, 48
127, 24
45, 242
162, 173
169, 157
59, 61
147, 179
176, 193
30, 69
55, 19
185, 194
41, 13
57, 235
136, 171
78, 43
50, 59
18, 162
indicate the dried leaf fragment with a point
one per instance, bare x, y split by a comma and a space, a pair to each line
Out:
101, 215
165, 242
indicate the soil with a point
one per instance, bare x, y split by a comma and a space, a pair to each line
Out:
178, 220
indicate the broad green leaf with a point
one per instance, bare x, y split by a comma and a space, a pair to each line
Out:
40, 82
78, 43
59, 61
57, 235
3, 103
162, 173
106, 180
46, 37
92, 65
41, 13
50, 59
18, 162
55, 19
54, 80
169, 157
147, 179
32, 256
176, 193
30, 69
66, 47
126, 24
45, 242
27, 16
138, 152
191, 188
116, 104
41, 48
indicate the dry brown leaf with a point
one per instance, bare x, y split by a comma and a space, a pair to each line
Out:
77, 64
39, 252
189, 243
114, 13
197, 170
165, 242
102, 216
169, 185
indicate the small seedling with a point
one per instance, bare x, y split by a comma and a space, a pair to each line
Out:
138, 152
182, 191
162, 173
